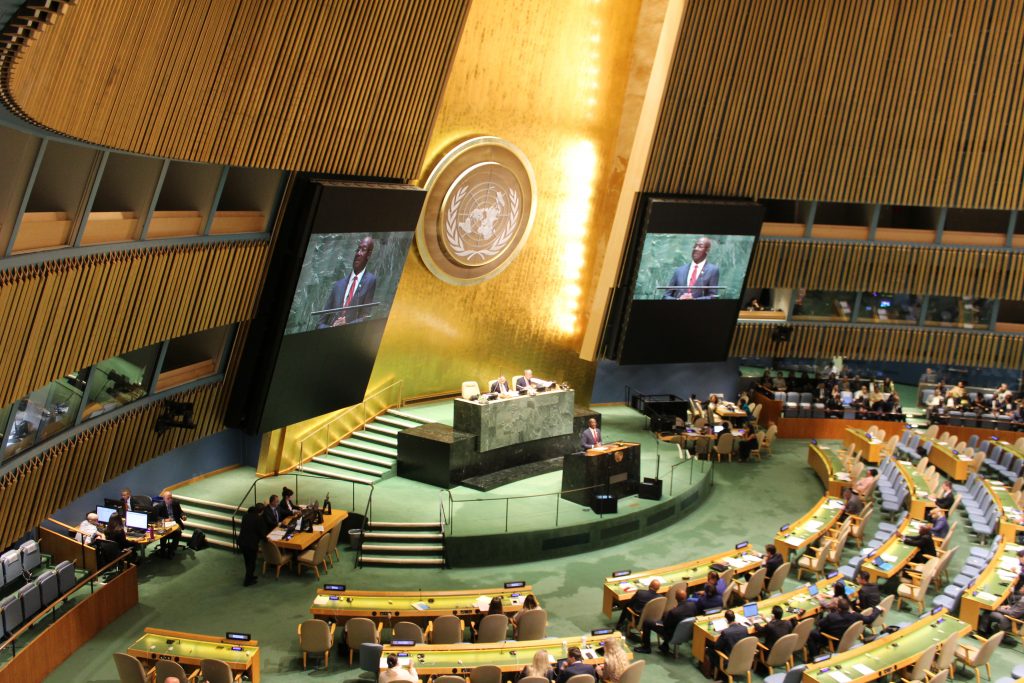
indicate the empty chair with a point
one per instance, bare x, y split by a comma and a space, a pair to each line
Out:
216, 671
814, 562
406, 630
165, 668
493, 629
740, 661
806, 401
10, 614
369, 657
922, 666
446, 630
682, 635
49, 590
633, 672
359, 630
31, 557
315, 556
485, 673
532, 624
946, 658
977, 656
802, 630
724, 446
451, 678
470, 390
31, 602
850, 636
275, 557
316, 637
751, 590
65, 576
11, 563
792, 406
794, 675
129, 669
332, 546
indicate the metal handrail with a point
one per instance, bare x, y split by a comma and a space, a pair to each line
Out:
364, 526
90, 579
361, 406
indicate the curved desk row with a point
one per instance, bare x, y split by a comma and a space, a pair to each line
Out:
412, 606
993, 586
510, 656
894, 555
869, 446
804, 532
919, 500
190, 649
829, 467
1011, 516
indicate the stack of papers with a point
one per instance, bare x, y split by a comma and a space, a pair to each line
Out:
835, 504
840, 676
1006, 576
626, 586
843, 476
986, 596
793, 539
276, 535
889, 558
864, 669
749, 558
646, 582
736, 562
483, 603
812, 525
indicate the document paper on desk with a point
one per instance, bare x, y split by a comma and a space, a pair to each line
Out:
840, 676
275, 535
864, 669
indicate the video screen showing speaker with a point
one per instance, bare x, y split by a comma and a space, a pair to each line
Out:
680, 290
341, 250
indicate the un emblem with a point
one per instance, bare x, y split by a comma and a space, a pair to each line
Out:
478, 212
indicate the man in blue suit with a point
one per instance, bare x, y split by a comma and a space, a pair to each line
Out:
699, 280
354, 289
591, 436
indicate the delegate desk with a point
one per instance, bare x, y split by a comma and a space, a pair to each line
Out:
302, 540
1011, 517
801, 534
954, 464
417, 606
829, 468
612, 468
797, 604
510, 656
917, 485
507, 421
617, 589
860, 440
888, 653
993, 586
892, 556
162, 529
189, 649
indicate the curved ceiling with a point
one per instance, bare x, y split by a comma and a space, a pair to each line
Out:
347, 86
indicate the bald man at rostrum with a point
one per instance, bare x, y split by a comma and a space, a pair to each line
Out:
699, 279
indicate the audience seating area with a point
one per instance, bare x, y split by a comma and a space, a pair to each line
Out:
29, 587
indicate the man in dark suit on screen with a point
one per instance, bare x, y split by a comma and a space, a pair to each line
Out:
354, 289
591, 436
699, 279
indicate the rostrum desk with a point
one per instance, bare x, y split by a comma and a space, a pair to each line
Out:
612, 468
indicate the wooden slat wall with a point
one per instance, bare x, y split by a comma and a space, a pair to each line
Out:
844, 267
900, 345
65, 315
910, 103
347, 86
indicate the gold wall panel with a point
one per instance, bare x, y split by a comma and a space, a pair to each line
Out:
549, 77
346, 86
911, 269
943, 347
64, 315
910, 103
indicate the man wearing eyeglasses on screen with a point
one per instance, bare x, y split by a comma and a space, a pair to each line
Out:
699, 280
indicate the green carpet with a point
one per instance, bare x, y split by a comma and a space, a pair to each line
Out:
202, 592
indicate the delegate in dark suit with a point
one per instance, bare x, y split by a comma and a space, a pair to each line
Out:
575, 666
591, 436
636, 604
363, 294
707, 278
833, 624
684, 609
499, 386
728, 638
170, 509
251, 532
773, 630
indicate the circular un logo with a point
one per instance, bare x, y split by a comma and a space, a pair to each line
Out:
478, 212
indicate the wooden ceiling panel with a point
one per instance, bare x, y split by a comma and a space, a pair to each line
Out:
347, 86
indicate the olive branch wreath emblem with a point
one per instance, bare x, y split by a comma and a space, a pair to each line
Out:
451, 228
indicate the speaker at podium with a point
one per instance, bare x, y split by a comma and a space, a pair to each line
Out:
610, 470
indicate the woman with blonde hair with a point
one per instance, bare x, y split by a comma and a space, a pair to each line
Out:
540, 666
615, 661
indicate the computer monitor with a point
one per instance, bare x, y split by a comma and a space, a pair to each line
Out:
136, 520
719, 429
750, 610
113, 503
104, 513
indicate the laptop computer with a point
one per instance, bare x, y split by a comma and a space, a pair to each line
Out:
751, 614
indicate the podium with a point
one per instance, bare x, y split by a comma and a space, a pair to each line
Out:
610, 469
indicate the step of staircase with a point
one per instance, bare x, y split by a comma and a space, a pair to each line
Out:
381, 428
194, 512
409, 417
396, 422
435, 548
349, 465
405, 525
403, 535
382, 439
362, 456
358, 443
334, 473
207, 503
401, 561
214, 541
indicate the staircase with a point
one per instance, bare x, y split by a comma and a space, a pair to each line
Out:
213, 518
365, 456
402, 544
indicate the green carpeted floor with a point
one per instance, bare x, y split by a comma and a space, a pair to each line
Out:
202, 592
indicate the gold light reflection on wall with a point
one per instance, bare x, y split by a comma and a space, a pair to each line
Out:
551, 78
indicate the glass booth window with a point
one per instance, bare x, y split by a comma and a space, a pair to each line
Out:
819, 305
118, 381
955, 311
44, 413
880, 307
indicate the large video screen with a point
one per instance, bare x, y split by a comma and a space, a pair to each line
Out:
347, 278
697, 267
333, 276
681, 282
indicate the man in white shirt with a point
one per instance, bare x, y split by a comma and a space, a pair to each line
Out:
699, 280
355, 289
88, 531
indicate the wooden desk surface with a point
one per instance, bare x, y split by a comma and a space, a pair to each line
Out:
809, 528
610, 448
412, 605
920, 500
158, 533
192, 648
870, 447
894, 554
743, 559
829, 468
510, 656
1011, 516
889, 653
306, 539
953, 464
993, 586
